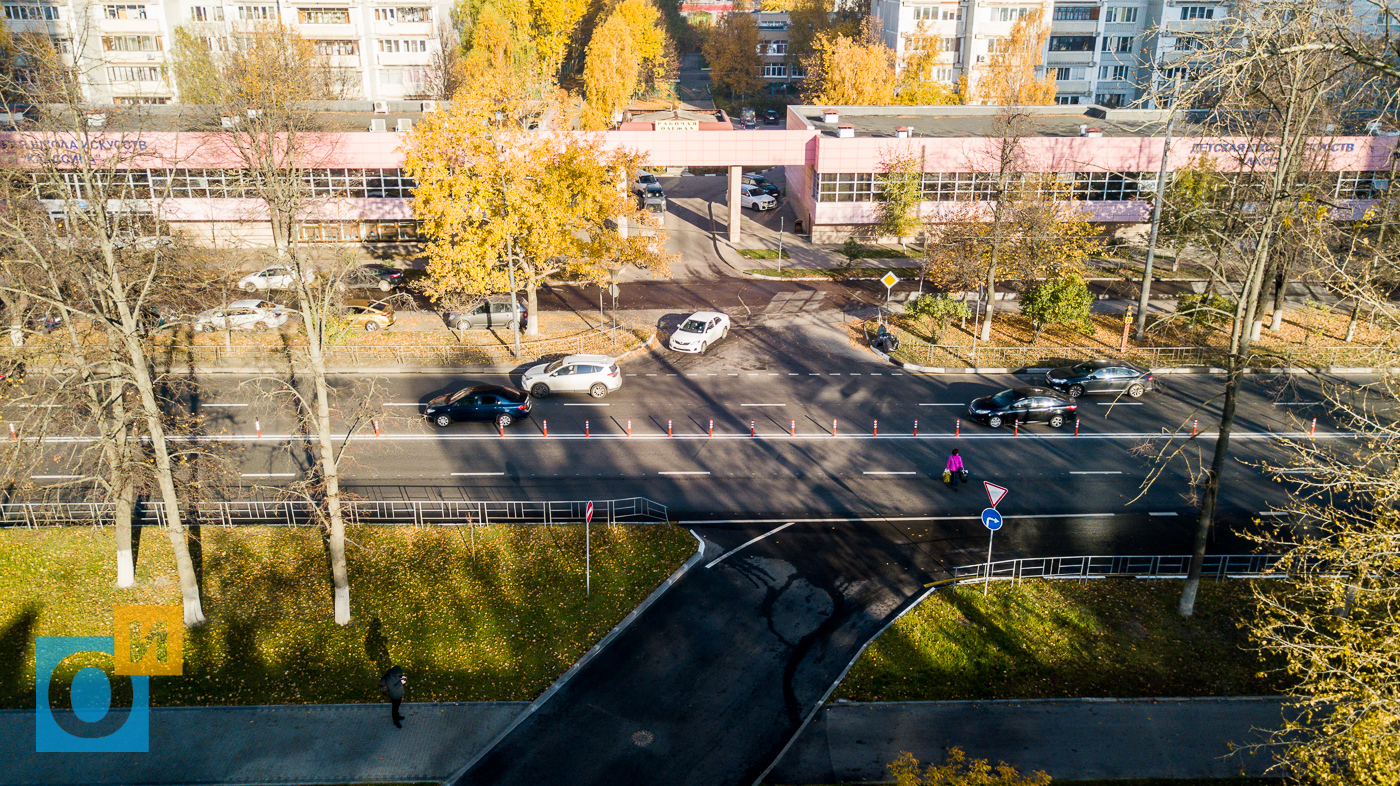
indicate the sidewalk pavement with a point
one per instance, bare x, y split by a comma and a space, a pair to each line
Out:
356, 743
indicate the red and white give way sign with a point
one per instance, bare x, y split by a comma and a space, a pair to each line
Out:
588, 516
994, 492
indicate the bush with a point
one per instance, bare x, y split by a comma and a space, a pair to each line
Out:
1063, 301
937, 312
1205, 309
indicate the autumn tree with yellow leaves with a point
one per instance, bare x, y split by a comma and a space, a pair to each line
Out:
850, 71
957, 770
915, 85
731, 49
629, 49
1008, 77
494, 197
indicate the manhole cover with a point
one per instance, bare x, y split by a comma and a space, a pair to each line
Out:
643, 738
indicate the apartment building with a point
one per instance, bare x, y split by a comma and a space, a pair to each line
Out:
384, 49
781, 71
1098, 51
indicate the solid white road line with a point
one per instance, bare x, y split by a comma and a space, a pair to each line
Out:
687, 472
588, 404
1273, 513
1096, 472
478, 474
1162, 513
1295, 403
955, 404
1303, 471
268, 475
763, 405
387, 404
722, 557
882, 472
1119, 403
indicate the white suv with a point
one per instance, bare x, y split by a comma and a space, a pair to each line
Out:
753, 196
275, 277
596, 375
242, 315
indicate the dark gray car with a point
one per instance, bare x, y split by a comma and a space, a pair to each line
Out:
490, 313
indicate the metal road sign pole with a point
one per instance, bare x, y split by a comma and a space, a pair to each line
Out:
987, 579
588, 552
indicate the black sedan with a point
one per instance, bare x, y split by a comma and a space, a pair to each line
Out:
770, 117
1101, 376
763, 184
1023, 405
380, 277
498, 404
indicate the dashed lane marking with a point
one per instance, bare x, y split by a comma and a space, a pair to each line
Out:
1119, 403
936, 404
750, 542
589, 404
1161, 513
1097, 472
1295, 403
685, 472
763, 405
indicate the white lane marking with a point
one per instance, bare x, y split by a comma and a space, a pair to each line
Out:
763, 405
941, 405
722, 557
876, 374
1295, 403
813, 374
268, 475
211, 404
1161, 513
477, 474
755, 374
855, 374
735, 374
631, 375
685, 472
900, 374
883, 472
772, 373
1273, 513
833, 375
650, 375
1304, 471
1097, 472
589, 404
387, 404
54, 477
792, 373
1119, 403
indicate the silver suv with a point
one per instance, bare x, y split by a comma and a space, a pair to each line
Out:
596, 375
486, 314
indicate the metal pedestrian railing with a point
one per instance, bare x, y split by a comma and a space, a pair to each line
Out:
295, 513
1171, 566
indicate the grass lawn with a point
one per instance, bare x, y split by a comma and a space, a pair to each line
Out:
762, 253
1168, 782
496, 622
1064, 639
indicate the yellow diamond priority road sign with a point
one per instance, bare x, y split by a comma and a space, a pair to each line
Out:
889, 280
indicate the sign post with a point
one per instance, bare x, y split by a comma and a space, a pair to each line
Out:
587, 552
991, 519
889, 280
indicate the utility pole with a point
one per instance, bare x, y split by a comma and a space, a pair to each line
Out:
781, 221
1156, 222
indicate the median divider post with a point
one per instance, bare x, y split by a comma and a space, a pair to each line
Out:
712, 427
833, 427
376, 428
257, 426
668, 428
546, 427
502, 429
792, 428
629, 427
1312, 430
875, 428
1018, 428
751, 428
1194, 422
957, 428
1076, 427
916, 428
586, 432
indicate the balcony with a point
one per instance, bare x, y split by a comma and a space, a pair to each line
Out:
384, 29
1069, 58
129, 26
1072, 87
1076, 27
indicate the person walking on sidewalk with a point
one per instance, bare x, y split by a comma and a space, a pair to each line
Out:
391, 685
954, 471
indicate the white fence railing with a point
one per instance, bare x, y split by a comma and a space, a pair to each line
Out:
294, 513
1219, 566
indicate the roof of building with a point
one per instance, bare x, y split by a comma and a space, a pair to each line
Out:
982, 121
339, 116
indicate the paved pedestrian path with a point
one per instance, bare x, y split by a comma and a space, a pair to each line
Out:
357, 743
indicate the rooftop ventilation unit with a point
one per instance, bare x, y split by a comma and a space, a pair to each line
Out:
381, 107
430, 106
379, 125
1090, 131
228, 121
403, 124
96, 119
845, 131
901, 132
830, 116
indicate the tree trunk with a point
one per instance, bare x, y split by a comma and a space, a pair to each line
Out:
532, 307
16, 304
991, 297
126, 502
330, 472
1351, 322
1187, 605
1280, 289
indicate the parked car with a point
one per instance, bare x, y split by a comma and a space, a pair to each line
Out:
763, 184
242, 315
380, 277
643, 181
770, 117
275, 277
596, 375
654, 195
369, 314
699, 331
751, 196
748, 118
496, 403
1024, 405
1101, 376
489, 313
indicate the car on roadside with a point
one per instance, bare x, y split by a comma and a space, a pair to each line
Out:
494, 403
596, 375
1025, 405
1102, 376
770, 117
369, 315
643, 181
762, 183
275, 277
381, 277
751, 196
699, 331
489, 313
242, 315
654, 195
747, 118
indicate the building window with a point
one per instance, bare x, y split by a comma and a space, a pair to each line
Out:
395, 45
131, 43
256, 13
27, 13
391, 232
416, 76
925, 12
139, 100
335, 47
1080, 13
1064, 74
1113, 72
63, 46
1118, 43
323, 16
775, 71
1111, 100
1197, 12
133, 74
847, 187
1121, 15
777, 48
1361, 185
207, 14
1006, 14
1179, 72
416, 14
1066, 100
124, 11
1071, 43
1186, 43
942, 74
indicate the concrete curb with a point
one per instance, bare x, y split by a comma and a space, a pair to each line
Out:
810, 278
587, 656
644, 345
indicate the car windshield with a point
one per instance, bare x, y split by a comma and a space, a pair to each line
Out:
646, 178
693, 326
553, 367
1084, 368
655, 207
1006, 397
459, 394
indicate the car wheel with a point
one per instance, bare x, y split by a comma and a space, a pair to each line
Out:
250, 287
1056, 421
725, 334
994, 421
384, 286
540, 390
207, 328
1136, 390
598, 390
461, 324
371, 326
704, 346
1075, 391
442, 421
503, 420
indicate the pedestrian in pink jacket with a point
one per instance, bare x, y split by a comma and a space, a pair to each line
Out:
954, 471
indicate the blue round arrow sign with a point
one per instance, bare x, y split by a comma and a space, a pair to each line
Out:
991, 518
